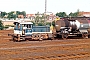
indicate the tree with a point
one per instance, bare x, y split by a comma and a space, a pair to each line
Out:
17, 13
37, 18
40, 24
23, 13
61, 14
48, 23
74, 14
53, 23
1, 25
12, 14
3, 14
71, 14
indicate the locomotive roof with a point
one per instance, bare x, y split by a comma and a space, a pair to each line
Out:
26, 23
22, 22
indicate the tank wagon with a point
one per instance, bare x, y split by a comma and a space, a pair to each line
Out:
26, 31
70, 27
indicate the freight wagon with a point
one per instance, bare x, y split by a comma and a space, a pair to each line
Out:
68, 27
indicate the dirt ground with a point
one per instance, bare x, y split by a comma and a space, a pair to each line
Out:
70, 49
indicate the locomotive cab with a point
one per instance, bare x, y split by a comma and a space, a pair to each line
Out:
23, 28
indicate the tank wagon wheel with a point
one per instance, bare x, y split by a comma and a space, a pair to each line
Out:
85, 36
13, 39
53, 35
37, 36
33, 36
89, 36
65, 36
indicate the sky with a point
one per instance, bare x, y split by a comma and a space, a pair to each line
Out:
34, 6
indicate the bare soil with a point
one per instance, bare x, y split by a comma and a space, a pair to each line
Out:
58, 49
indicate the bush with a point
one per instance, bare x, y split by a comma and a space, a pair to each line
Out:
49, 23
7, 26
40, 24
53, 23
1, 25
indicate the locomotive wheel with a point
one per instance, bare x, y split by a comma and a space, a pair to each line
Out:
65, 36
40, 37
18, 39
14, 38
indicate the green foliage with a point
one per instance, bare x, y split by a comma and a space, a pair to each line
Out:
10, 15
71, 14
9, 26
53, 23
21, 13
61, 14
33, 23
74, 14
13, 14
39, 20
40, 24
6, 26
1, 25
3, 14
48, 23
